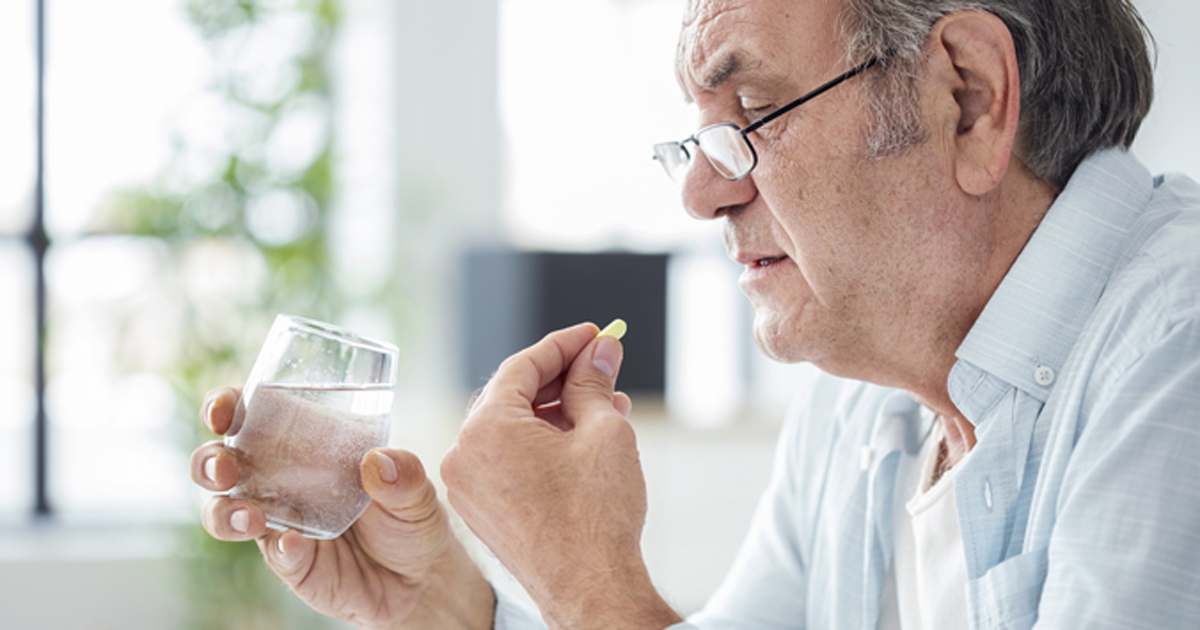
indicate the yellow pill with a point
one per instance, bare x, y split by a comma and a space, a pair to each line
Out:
616, 329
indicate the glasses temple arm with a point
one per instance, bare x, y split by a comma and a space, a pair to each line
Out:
832, 83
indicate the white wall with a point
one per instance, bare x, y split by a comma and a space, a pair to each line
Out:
1169, 139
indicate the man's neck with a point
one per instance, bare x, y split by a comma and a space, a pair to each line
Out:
1021, 202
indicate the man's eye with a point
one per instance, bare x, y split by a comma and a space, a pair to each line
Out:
756, 112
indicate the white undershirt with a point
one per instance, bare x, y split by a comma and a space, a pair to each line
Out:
927, 584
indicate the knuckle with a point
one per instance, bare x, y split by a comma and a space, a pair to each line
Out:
592, 379
455, 468
509, 363
449, 467
474, 399
621, 431
624, 429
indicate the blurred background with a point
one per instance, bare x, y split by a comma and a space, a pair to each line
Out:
174, 173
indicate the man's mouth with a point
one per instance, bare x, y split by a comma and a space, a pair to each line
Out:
756, 260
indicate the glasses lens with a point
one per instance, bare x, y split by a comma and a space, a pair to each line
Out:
727, 150
674, 159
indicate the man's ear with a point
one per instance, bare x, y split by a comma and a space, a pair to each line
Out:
974, 69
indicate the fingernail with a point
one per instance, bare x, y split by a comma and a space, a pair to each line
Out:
387, 468
206, 409
286, 560
210, 468
607, 355
240, 521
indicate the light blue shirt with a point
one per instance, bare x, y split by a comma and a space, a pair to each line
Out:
1079, 506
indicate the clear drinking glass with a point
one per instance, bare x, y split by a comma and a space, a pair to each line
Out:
318, 399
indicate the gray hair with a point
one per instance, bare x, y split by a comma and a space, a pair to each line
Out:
1085, 67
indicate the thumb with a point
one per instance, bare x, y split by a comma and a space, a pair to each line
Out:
588, 387
606, 357
396, 481
405, 528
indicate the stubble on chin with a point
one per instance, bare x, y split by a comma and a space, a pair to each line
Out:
778, 338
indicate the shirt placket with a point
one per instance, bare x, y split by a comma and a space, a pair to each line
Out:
899, 429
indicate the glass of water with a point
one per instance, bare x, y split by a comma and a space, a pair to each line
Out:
318, 399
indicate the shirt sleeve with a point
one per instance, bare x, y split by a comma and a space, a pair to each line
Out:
1125, 547
514, 614
764, 588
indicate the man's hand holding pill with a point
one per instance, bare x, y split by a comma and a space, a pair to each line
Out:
546, 472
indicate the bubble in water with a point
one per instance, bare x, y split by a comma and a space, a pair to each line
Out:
299, 450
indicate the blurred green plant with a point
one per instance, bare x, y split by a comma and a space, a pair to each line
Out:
243, 206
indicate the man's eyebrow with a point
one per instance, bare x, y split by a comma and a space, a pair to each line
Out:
729, 65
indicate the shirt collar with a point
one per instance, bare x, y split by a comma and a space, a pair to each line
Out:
1028, 327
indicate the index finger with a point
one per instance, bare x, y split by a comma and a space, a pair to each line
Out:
218, 408
528, 371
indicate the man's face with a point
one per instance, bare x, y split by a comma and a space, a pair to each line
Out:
833, 244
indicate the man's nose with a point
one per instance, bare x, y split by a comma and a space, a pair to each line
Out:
708, 195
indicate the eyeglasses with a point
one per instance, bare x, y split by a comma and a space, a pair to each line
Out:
728, 147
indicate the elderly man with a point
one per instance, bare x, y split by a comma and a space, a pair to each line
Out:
930, 197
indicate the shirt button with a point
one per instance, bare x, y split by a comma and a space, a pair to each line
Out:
1043, 375
987, 493
864, 458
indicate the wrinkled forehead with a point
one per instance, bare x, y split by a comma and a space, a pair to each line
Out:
724, 38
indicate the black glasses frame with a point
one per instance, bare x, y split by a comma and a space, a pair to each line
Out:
755, 126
